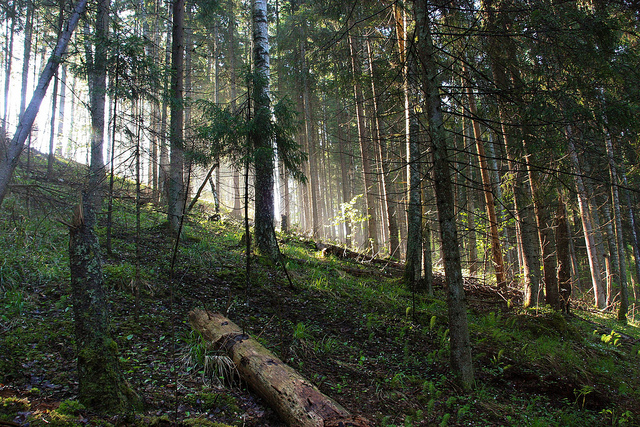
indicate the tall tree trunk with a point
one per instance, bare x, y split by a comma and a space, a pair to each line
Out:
472, 247
264, 153
102, 386
52, 129
164, 163
60, 131
624, 298
54, 100
513, 134
388, 196
413, 267
233, 89
368, 178
487, 190
427, 252
28, 35
70, 148
97, 80
594, 263
613, 275
413, 172
344, 173
176, 166
310, 139
563, 256
101, 381
9, 161
8, 62
460, 345
632, 221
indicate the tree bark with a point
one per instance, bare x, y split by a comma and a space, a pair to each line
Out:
9, 161
264, 152
344, 174
388, 197
594, 263
563, 256
632, 223
176, 164
413, 268
8, 63
310, 139
102, 386
460, 344
624, 298
59, 149
487, 189
507, 79
298, 402
97, 81
28, 35
367, 173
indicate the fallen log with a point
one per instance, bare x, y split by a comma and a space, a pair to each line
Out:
298, 402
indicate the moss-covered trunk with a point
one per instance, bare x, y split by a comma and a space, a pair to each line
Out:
102, 386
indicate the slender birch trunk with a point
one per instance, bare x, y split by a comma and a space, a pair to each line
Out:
264, 152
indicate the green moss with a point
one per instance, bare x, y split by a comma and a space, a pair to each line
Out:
12, 405
202, 422
102, 385
54, 419
212, 401
156, 421
71, 407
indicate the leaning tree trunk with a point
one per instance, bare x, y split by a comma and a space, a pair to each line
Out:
298, 402
9, 161
460, 345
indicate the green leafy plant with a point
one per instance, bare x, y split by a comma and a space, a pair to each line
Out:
582, 393
613, 338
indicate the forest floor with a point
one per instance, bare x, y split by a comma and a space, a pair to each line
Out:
347, 325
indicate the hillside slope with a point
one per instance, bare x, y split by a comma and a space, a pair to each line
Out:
347, 325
